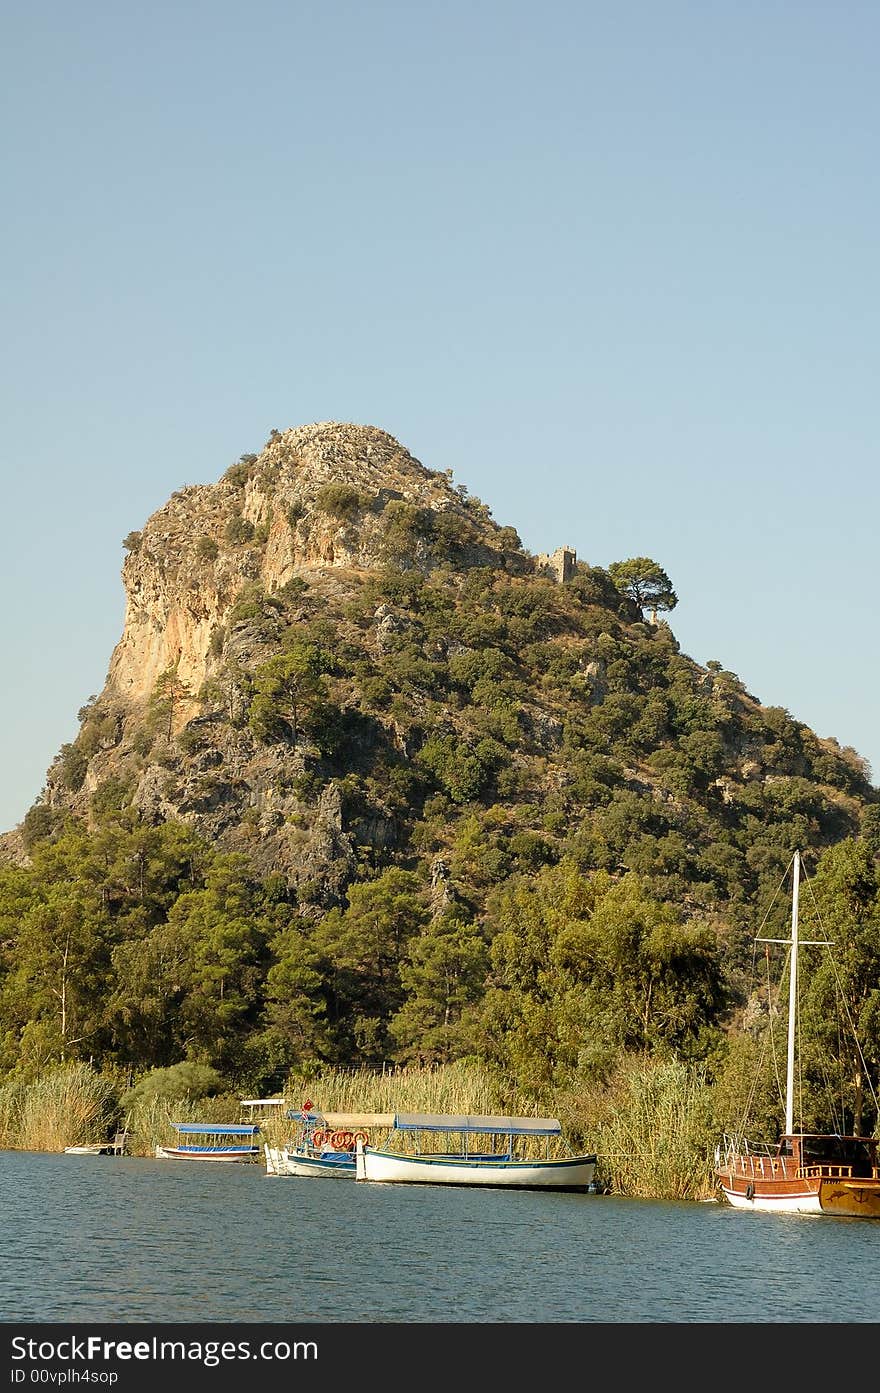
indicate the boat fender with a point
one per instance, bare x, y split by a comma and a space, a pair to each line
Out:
750, 1191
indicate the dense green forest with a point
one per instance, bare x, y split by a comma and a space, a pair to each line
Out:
136, 948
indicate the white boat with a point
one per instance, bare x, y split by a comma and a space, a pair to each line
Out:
501, 1160
803, 1172
213, 1141
283, 1160
116, 1147
324, 1144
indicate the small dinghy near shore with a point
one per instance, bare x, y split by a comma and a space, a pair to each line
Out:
116, 1147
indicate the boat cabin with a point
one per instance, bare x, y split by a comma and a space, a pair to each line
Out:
262, 1107
832, 1155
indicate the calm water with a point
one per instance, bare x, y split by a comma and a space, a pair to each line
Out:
128, 1239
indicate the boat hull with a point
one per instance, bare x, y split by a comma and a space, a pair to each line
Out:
570, 1173
859, 1199
231, 1153
793, 1199
283, 1160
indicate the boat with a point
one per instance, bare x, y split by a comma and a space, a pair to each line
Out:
96, 1148
115, 1147
213, 1141
803, 1172
499, 1158
324, 1143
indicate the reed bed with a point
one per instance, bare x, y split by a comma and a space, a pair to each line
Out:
650, 1124
448, 1088
652, 1130
72, 1105
11, 1101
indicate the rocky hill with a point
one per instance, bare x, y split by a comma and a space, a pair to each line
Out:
334, 660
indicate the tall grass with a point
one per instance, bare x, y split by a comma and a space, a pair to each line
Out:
74, 1105
461, 1087
652, 1128
70, 1106
11, 1100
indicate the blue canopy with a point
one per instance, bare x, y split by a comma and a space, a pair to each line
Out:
442, 1122
232, 1129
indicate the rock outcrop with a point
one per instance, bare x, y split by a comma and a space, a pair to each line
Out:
211, 581
316, 499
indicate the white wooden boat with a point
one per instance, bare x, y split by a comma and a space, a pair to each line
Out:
501, 1159
213, 1141
803, 1172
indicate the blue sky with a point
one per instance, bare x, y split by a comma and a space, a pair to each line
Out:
614, 265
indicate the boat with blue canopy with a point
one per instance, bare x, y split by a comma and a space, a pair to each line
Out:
213, 1141
489, 1150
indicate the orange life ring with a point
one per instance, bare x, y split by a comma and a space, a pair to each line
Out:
319, 1137
360, 1136
339, 1140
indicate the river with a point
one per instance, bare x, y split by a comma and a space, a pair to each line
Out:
127, 1239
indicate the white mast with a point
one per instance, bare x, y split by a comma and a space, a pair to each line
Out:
792, 998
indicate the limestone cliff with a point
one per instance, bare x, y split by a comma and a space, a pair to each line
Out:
318, 508
270, 522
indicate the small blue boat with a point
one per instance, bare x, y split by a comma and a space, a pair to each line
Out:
213, 1141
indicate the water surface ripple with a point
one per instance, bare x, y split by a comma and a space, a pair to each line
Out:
125, 1239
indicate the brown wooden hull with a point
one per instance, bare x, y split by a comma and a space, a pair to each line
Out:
794, 1194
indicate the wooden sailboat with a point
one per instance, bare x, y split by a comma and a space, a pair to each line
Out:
806, 1172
